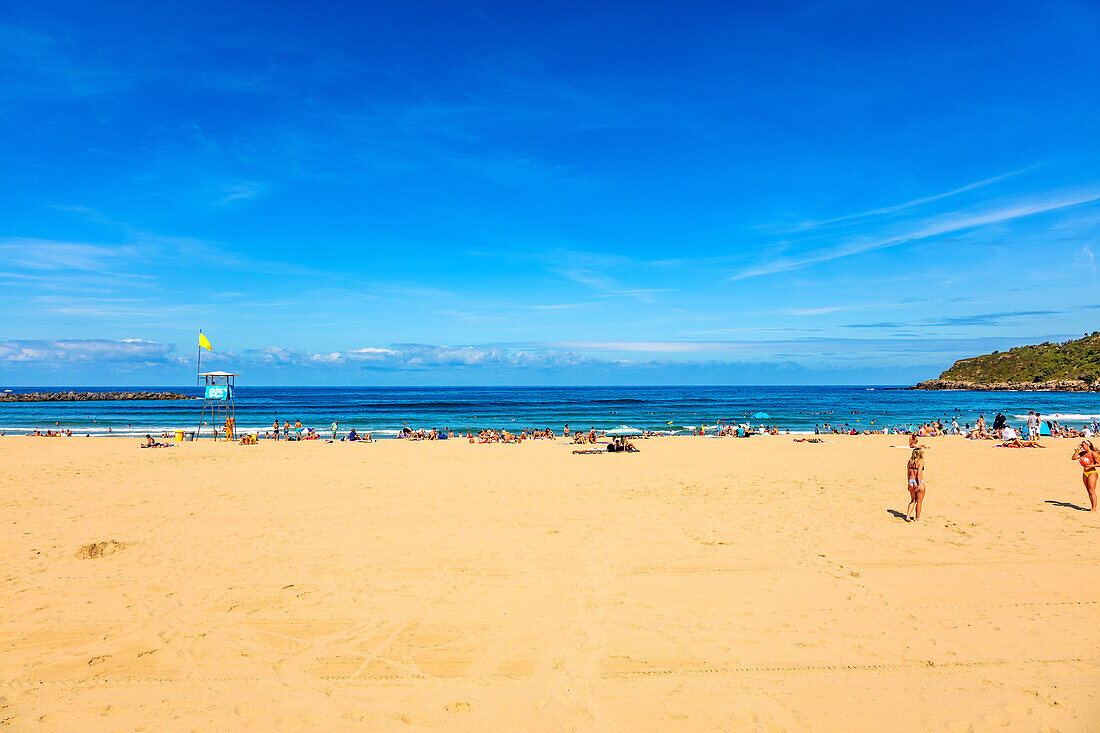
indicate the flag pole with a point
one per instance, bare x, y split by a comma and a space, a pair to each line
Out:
198, 354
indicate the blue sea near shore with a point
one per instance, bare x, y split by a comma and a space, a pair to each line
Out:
384, 410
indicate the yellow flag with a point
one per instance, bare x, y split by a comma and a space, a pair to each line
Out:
205, 342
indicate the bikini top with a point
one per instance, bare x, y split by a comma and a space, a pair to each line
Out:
1087, 461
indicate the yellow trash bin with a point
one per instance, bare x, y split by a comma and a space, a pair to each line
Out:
179, 436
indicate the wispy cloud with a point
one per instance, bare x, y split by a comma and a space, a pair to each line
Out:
1090, 259
931, 227
557, 306
816, 311
240, 191
45, 254
34, 66
973, 319
914, 203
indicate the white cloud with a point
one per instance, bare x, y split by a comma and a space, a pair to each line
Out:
399, 357
134, 352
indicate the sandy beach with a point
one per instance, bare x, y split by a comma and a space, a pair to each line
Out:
754, 584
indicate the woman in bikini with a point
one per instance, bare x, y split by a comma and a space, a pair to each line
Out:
914, 473
1089, 458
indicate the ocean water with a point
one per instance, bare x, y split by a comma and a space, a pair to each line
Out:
383, 411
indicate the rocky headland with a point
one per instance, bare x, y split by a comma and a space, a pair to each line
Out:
1069, 366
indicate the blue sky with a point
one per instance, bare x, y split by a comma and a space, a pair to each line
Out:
519, 193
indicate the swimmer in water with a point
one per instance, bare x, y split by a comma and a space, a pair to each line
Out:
1087, 455
914, 474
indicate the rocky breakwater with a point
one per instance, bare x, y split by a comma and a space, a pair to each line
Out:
89, 396
1057, 385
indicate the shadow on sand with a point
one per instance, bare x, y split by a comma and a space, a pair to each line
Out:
1067, 505
896, 513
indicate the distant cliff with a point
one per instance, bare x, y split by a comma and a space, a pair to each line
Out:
89, 396
1071, 366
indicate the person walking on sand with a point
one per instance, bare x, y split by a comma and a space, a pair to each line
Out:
1087, 455
335, 425
276, 427
914, 474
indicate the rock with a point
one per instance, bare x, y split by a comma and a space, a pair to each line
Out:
1058, 385
86, 396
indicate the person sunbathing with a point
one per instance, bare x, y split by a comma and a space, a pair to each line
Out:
1018, 442
150, 443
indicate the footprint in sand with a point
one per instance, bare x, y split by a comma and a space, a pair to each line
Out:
997, 720
94, 550
458, 707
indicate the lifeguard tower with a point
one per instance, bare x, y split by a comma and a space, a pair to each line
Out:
217, 404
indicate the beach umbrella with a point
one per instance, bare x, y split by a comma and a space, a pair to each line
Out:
623, 431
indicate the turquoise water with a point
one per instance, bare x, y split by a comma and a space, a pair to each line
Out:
383, 411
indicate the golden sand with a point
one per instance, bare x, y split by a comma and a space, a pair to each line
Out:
755, 584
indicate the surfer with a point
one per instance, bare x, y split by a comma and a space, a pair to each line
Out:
914, 474
1087, 455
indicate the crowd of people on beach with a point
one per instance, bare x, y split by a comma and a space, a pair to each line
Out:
1026, 436
1000, 429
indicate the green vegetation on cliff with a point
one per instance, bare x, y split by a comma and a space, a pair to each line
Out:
1077, 360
